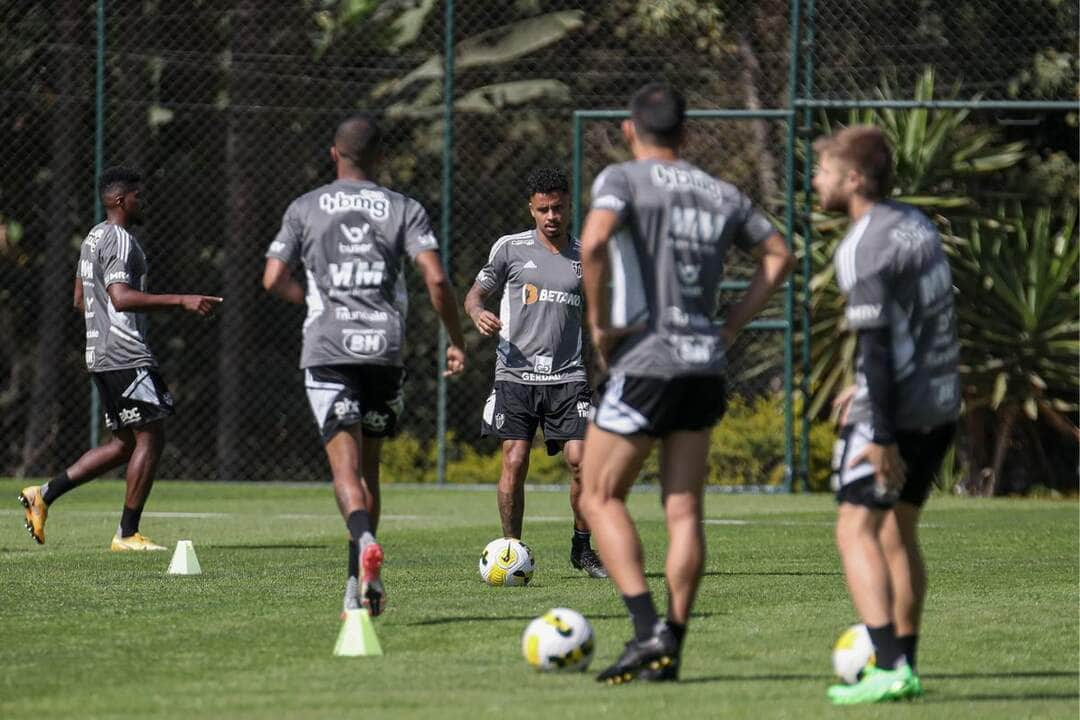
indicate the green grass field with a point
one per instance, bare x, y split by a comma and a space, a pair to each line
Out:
88, 633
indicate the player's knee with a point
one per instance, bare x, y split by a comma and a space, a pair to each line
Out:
515, 458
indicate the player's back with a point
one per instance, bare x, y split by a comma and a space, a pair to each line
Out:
895, 273
676, 225
352, 238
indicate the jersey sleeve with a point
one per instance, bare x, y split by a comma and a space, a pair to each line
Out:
114, 253
868, 299
286, 245
418, 234
754, 227
493, 275
611, 191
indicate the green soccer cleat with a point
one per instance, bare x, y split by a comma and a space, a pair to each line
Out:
878, 685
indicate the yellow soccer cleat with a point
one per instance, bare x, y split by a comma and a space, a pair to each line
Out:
36, 512
135, 543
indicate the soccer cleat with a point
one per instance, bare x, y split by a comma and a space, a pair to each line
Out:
372, 595
36, 512
352, 596
656, 658
133, 543
878, 685
585, 558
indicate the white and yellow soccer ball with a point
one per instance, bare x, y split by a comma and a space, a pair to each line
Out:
561, 640
851, 654
507, 562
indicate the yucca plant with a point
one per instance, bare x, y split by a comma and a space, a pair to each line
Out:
1018, 286
936, 155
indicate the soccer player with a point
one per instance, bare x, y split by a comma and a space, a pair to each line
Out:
539, 373
110, 290
653, 252
352, 238
899, 417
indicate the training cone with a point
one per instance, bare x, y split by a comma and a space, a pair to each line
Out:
357, 637
184, 561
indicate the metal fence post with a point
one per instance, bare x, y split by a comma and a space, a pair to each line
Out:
446, 225
99, 159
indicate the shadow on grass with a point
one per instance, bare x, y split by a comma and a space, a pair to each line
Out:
1024, 697
520, 618
990, 675
1004, 675
283, 546
766, 573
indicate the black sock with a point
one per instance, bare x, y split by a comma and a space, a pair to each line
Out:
887, 649
129, 521
643, 613
581, 539
56, 487
908, 644
354, 559
359, 522
678, 630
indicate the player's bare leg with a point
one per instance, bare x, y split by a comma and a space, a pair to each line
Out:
511, 490
93, 463
907, 574
356, 500
864, 563
683, 467
582, 556
149, 441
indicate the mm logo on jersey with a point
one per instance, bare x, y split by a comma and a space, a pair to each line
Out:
357, 273
530, 294
365, 343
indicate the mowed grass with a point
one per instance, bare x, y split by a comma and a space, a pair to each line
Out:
87, 633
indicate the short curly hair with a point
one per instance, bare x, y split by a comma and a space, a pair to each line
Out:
546, 180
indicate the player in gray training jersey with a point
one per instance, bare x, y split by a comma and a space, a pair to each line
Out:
899, 417
539, 373
351, 239
659, 230
111, 292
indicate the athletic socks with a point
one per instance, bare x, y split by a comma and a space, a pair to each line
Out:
354, 559
678, 630
581, 539
359, 524
56, 487
643, 613
908, 645
887, 647
129, 521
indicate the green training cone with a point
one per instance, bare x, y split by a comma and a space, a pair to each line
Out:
357, 637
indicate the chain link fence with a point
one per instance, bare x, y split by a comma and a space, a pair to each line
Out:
228, 107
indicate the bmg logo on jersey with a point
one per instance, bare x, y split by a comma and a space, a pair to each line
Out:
530, 294
364, 343
372, 202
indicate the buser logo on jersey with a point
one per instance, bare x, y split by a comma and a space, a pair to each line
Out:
531, 294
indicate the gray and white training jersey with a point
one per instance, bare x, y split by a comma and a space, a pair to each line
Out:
676, 224
114, 340
351, 237
540, 311
894, 273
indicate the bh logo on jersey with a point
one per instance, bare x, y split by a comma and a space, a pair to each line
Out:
365, 343
530, 294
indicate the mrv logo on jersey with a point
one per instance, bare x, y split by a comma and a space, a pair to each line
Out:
358, 273
364, 343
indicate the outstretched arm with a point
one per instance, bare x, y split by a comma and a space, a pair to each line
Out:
125, 298
486, 322
277, 280
445, 303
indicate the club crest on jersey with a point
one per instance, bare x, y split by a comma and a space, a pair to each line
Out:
576, 264
364, 343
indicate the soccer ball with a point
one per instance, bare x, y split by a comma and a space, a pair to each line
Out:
560, 639
506, 562
851, 654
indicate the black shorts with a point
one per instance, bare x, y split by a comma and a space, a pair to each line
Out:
922, 452
344, 395
133, 397
514, 410
634, 405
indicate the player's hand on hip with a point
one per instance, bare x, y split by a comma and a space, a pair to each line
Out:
889, 468
487, 322
455, 361
201, 305
841, 404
